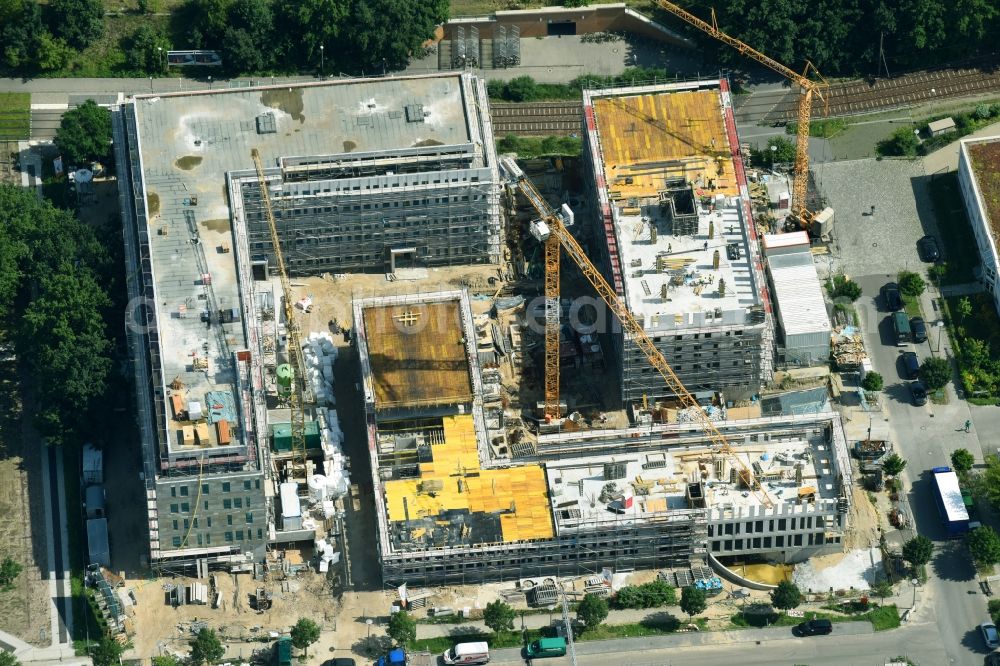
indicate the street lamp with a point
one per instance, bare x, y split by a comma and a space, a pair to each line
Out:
209, 81
774, 149
322, 61
159, 50
368, 638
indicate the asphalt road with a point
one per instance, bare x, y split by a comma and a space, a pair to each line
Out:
920, 641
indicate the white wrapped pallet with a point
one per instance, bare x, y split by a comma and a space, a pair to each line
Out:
328, 510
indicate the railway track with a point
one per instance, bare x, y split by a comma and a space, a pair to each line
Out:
540, 119
848, 98
856, 97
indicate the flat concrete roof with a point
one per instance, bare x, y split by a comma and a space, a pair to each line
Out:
648, 137
190, 141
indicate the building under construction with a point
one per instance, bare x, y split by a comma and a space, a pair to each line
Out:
678, 239
364, 175
411, 182
455, 505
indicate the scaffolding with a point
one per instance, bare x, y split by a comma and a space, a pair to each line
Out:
422, 207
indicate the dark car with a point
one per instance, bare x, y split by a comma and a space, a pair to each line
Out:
918, 393
814, 628
927, 248
342, 661
911, 365
891, 297
918, 329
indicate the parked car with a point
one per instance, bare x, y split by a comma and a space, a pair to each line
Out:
814, 628
891, 297
341, 661
918, 329
990, 634
927, 248
918, 393
911, 365
546, 647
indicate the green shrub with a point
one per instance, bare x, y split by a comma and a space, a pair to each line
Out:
902, 143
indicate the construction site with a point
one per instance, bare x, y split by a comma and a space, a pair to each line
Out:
359, 368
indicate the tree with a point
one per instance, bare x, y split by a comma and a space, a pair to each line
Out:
498, 616
21, 27
693, 600
964, 308
205, 21
844, 287
786, 596
166, 660
936, 372
962, 460
872, 382
247, 40
147, 50
918, 550
79, 22
984, 545
911, 283
53, 52
8, 659
84, 134
882, 589
785, 150
592, 610
107, 653
402, 628
902, 143
10, 569
206, 648
304, 633
383, 34
893, 464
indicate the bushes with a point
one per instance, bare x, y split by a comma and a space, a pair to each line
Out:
526, 89
844, 287
872, 382
902, 143
531, 147
648, 595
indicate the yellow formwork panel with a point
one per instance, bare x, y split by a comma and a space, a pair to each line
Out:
682, 127
492, 491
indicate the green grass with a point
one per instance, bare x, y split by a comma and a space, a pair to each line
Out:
882, 618
505, 639
15, 116
536, 146
911, 304
657, 624
956, 232
823, 129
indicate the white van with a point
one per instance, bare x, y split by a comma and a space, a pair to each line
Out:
468, 653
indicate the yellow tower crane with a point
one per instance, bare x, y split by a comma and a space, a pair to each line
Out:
551, 230
296, 398
807, 90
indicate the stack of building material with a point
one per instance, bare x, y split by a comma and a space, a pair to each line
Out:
319, 354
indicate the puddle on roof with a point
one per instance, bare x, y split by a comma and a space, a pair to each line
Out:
220, 225
188, 162
427, 142
153, 202
349, 146
288, 100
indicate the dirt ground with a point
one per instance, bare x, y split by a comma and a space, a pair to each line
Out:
864, 520
161, 628
24, 609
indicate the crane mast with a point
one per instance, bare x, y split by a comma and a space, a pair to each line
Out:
550, 226
296, 397
807, 87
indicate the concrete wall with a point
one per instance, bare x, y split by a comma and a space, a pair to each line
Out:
585, 20
786, 533
976, 210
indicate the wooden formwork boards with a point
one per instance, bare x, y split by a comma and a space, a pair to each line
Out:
455, 481
647, 138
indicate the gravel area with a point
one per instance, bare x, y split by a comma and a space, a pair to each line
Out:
883, 243
855, 569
